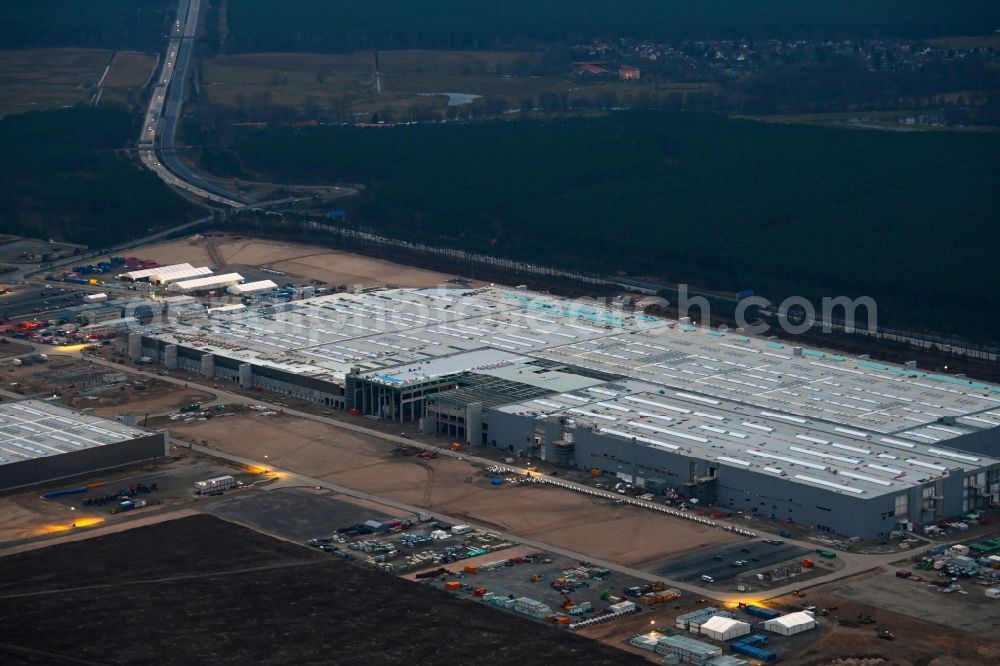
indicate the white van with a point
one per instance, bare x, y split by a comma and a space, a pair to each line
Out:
707, 579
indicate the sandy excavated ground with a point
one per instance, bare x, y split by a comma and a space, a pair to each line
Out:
162, 398
25, 516
298, 261
600, 529
180, 251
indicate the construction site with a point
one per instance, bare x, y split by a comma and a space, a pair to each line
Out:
667, 492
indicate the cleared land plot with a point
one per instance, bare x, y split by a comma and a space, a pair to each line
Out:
602, 529
47, 78
972, 612
346, 81
923, 637
297, 514
298, 261
201, 589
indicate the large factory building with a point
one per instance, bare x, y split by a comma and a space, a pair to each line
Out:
43, 441
844, 444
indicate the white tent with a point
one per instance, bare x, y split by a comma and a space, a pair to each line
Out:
724, 628
207, 283
168, 274
793, 623
252, 287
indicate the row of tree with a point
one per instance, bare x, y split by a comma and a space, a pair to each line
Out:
60, 178
347, 25
108, 24
904, 217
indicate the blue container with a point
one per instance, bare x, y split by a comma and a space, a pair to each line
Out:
760, 611
754, 652
60, 493
496, 481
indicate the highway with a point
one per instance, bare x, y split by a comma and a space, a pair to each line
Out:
157, 138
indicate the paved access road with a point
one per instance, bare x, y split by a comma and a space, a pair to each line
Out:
157, 147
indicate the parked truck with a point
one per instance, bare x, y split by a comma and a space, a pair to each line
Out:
214, 486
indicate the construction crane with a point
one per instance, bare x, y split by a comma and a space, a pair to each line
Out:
607, 593
567, 602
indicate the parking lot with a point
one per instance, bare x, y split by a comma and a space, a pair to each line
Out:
297, 514
719, 563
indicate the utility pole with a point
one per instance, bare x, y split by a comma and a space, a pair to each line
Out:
378, 76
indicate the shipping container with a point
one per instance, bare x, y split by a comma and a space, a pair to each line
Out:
760, 654
760, 611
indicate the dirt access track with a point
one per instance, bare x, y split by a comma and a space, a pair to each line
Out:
296, 260
600, 528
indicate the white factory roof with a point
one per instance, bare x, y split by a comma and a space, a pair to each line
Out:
210, 282
251, 287
853, 425
169, 274
39, 429
146, 272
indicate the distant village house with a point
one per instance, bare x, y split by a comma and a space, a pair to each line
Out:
628, 73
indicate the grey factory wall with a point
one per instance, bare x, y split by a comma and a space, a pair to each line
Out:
38, 470
508, 431
741, 489
613, 455
769, 495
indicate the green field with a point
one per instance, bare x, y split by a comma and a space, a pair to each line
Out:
37, 79
346, 81
348, 25
908, 218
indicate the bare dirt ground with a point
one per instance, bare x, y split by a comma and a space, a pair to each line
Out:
9, 349
25, 516
920, 641
600, 529
199, 589
157, 399
298, 261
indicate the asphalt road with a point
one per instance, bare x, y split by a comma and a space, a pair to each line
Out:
177, 64
692, 567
